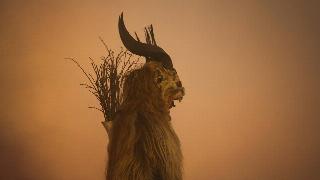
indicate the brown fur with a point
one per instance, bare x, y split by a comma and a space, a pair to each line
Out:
143, 144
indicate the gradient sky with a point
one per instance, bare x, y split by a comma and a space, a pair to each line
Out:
251, 70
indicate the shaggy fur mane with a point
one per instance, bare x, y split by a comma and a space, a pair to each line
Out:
143, 144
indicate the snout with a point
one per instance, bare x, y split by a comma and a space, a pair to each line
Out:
179, 84
180, 90
178, 93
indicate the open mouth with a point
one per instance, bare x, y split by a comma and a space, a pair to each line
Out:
177, 96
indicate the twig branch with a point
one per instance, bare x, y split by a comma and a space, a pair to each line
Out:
107, 82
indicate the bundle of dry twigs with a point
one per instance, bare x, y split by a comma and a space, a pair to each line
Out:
107, 82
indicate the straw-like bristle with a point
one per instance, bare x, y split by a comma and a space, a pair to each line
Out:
109, 75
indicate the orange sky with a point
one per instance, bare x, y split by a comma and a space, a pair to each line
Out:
251, 71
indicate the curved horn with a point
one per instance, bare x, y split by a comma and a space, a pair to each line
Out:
155, 53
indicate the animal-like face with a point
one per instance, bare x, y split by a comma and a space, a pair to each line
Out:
167, 80
165, 77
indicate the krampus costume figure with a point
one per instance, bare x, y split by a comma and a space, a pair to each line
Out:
143, 144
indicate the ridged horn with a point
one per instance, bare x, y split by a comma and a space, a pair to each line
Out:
153, 52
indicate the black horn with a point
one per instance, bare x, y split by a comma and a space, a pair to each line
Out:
152, 52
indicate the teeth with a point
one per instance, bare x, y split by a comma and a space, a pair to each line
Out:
173, 105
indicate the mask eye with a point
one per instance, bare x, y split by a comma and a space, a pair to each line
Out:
159, 79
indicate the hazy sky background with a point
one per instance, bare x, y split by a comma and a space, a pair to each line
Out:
251, 70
